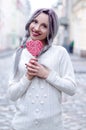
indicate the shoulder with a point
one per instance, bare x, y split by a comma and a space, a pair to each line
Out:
60, 52
59, 48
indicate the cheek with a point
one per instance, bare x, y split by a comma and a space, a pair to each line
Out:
31, 26
45, 33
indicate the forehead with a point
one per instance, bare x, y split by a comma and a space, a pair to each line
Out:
43, 18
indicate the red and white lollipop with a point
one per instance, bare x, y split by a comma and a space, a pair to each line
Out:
34, 47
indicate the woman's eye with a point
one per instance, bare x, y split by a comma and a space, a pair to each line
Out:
34, 21
44, 25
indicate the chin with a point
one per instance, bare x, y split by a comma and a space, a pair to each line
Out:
34, 38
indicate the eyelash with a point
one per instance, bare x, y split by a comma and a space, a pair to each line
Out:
35, 21
44, 26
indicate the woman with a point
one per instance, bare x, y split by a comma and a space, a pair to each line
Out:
38, 82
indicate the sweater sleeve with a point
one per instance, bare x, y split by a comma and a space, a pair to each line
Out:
65, 81
17, 86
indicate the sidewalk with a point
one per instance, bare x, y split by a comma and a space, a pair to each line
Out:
6, 53
79, 63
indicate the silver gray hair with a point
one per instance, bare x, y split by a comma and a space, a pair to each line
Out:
53, 28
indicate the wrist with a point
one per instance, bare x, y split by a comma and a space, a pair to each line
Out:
46, 75
29, 77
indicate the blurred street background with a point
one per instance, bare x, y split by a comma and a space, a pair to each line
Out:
14, 14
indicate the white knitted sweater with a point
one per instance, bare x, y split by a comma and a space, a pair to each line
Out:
38, 102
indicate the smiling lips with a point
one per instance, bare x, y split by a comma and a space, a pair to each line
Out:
34, 33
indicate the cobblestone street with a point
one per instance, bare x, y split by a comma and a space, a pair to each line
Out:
74, 111
74, 107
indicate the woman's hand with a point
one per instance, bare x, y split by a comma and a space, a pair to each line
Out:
36, 69
30, 77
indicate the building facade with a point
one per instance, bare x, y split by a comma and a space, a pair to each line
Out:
13, 17
72, 14
78, 26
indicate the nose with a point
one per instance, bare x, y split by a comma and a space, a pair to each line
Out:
37, 27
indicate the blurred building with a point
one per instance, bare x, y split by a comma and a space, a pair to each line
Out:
13, 17
62, 9
72, 17
78, 26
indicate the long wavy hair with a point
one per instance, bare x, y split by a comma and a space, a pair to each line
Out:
53, 28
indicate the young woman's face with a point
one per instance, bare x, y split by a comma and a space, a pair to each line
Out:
39, 27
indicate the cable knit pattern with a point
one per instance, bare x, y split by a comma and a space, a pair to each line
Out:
38, 102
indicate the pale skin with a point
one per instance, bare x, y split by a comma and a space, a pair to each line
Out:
38, 31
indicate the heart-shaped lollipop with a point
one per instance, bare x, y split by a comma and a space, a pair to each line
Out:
34, 47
